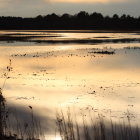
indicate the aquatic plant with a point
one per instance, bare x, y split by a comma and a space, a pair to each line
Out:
99, 128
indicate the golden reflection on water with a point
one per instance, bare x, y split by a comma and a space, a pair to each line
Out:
61, 76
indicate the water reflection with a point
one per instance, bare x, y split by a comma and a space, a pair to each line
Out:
49, 77
65, 37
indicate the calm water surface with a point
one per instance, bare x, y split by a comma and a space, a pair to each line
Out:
51, 76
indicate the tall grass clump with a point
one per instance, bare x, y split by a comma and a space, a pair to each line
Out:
98, 128
11, 128
3, 110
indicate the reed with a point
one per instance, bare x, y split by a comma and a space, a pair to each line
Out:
21, 130
99, 128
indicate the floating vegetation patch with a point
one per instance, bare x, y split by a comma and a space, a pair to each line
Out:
103, 52
132, 48
102, 37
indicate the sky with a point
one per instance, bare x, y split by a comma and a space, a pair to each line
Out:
32, 8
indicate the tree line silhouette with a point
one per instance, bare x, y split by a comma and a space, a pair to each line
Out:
82, 20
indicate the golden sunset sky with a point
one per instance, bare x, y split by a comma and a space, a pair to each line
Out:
29, 8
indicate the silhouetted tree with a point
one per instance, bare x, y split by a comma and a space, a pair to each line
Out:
81, 20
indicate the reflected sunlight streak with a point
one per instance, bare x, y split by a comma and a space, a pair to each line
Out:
57, 138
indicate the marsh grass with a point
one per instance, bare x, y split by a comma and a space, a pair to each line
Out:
98, 129
11, 128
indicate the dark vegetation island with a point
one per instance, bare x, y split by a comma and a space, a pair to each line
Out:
80, 21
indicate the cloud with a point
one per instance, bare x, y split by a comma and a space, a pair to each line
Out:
21, 7
88, 1
21, 3
29, 8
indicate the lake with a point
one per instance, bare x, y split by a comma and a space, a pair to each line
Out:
81, 70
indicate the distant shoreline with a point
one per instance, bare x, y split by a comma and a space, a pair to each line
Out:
72, 31
79, 21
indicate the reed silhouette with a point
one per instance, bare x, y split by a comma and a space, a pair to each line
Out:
98, 129
19, 131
